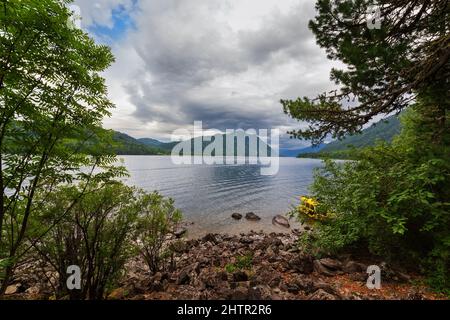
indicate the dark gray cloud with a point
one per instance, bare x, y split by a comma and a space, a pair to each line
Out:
197, 61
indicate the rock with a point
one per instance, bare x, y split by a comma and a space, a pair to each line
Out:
281, 221
390, 274
319, 284
180, 232
33, 290
327, 267
307, 228
222, 276
266, 276
358, 276
183, 278
240, 276
236, 216
252, 216
210, 238
403, 277
331, 263
352, 266
301, 264
13, 289
415, 296
292, 288
305, 284
155, 286
321, 269
323, 295
246, 240
260, 292
296, 232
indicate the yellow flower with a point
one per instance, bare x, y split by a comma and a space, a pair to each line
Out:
308, 207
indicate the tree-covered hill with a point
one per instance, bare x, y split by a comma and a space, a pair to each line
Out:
127, 145
384, 130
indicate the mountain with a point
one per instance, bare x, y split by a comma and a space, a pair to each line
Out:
127, 145
205, 143
168, 146
384, 130
298, 151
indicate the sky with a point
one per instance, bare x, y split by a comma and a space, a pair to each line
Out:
226, 63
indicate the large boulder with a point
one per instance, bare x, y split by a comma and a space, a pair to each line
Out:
352, 266
252, 216
236, 216
180, 232
210, 238
302, 264
331, 263
328, 267
183, 278
281, 221
13, 289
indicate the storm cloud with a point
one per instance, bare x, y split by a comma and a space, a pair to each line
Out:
226, 63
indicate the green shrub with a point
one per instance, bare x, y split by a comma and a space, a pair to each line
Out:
94, 235
244, 262
105, 226
393, 201
158, 217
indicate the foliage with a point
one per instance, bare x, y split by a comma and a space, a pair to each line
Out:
52, 102
384, 130
94, 235
312, 209
244, 262
158, 217
394, 200
109, 224
386, 68
126, 145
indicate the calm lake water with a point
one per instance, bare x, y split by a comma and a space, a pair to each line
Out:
209, 194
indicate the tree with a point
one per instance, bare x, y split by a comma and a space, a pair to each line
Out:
393, 201
52, 102
387, 68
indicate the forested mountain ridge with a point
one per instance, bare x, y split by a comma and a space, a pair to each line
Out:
384, 130
127, 145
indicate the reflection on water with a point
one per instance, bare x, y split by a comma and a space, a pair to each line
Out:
209, 194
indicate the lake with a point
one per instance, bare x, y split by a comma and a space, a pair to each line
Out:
209, 194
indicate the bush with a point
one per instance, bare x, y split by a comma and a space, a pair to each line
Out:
244, 262
94, 235
158, 217
100, 232
393, 201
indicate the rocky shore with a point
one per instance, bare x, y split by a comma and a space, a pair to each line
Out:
251, 266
